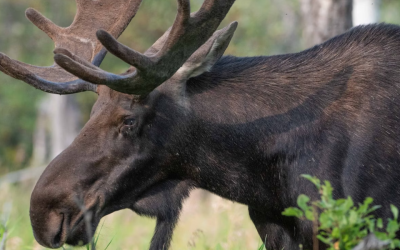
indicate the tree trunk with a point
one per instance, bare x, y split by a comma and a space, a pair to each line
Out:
365, 11
324, 19
64, 115
40, 137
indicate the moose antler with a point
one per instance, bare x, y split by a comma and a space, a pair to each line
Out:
79, 39
161, 61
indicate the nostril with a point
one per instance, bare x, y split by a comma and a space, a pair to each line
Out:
58, 237
49, 228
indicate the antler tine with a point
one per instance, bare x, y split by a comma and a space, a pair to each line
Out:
43, 23
77, 58
121, 83
130, 56
195, 29
188, 33
87, 73
77, 39
19, 71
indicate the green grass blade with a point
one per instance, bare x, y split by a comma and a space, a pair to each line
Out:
109, 243
98, 234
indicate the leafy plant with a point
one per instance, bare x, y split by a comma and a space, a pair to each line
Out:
339, 223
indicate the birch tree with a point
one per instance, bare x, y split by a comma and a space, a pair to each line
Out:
365, 11
324, 19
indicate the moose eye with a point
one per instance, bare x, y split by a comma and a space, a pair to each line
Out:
129, 121
129, 128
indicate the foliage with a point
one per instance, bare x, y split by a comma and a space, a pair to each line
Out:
341, 224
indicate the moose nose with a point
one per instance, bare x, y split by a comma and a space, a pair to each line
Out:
50, 230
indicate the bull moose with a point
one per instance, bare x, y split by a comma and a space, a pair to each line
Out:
184, 117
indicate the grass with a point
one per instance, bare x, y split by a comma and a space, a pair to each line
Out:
5, 214
207, 222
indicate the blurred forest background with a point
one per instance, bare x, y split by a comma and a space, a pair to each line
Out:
35, 126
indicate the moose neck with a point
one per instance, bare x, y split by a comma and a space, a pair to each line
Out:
250, 119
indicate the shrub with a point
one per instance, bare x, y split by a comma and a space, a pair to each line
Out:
339, 223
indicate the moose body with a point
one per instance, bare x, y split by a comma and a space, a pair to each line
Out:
242, 128
251, 126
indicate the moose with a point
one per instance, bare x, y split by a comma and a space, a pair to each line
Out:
184, 117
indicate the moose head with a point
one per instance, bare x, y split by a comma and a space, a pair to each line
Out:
126, 154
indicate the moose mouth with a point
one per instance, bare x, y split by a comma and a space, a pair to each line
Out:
83, 227
60, 236
76, 226
75, 232
76, 236
82, 232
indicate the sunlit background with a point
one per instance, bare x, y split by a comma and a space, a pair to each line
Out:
35, 127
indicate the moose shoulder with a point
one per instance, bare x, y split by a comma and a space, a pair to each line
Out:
243, 128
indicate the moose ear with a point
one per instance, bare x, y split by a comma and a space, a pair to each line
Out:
207, 55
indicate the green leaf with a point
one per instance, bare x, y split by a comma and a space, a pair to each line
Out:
348, 204
340, 202
302, 201
381, 235
396, 242
370, 224
327, 190
293, 211
368, 201
309, 215
373, 209
392, 227
395, 211
336, 233
325, 220
379, 223
353, 217
313, 179
324, 240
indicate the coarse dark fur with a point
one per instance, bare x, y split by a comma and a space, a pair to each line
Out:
245, 131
